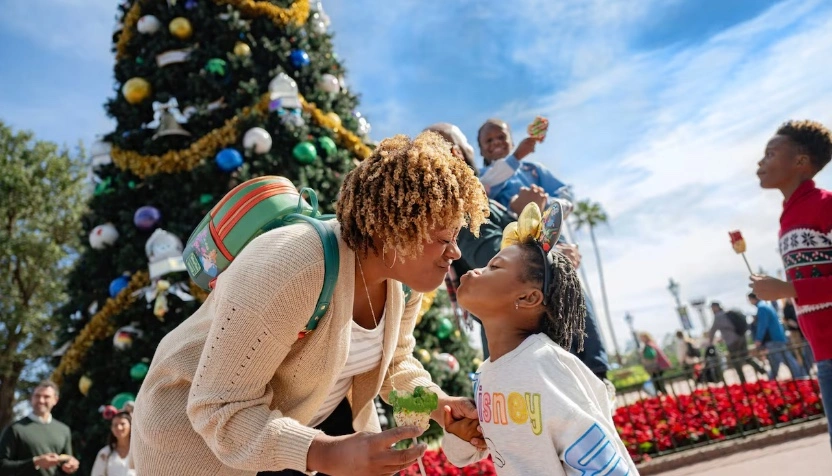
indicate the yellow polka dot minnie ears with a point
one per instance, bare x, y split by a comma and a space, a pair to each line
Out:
544, 229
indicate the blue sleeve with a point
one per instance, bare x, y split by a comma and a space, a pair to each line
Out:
763, 321
494, 193
548, 182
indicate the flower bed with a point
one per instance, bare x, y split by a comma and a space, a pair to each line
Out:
436, 464
662, 423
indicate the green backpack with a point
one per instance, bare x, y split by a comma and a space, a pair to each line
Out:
246, 212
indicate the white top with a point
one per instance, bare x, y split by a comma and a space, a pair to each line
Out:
542, 411
109, 463
364, 355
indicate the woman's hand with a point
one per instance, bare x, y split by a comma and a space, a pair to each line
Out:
364, 454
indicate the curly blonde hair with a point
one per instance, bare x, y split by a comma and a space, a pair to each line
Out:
404, 190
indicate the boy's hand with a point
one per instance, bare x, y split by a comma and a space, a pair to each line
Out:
770, 289
467, 429
524, 148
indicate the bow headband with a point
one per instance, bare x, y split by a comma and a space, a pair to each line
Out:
543, 228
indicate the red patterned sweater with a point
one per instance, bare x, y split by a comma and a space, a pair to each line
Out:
806, 248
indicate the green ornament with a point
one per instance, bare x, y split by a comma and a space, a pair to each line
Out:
216, 66
103, 187
138, 371
131, 184
206, 198
445, 328
328, 145
305, 153
121, 399
139, 60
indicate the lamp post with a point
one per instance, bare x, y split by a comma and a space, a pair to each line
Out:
629, 318
699, 305
673, 287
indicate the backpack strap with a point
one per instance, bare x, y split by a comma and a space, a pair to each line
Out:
332, 262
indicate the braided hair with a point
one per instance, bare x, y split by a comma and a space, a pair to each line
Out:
564, 306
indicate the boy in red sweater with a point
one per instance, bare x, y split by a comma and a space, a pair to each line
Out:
796, 153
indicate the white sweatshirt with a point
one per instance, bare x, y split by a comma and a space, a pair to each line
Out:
542, 411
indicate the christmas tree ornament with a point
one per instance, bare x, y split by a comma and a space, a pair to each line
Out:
103, 236
241, 49
327, 145
164, 253
124, 336
364, 127
423, 356
448, 362
191, 4
84, 384
292, 119
229, 160
216, 66
100, 154
139, 371
206, 199
284, 93
329, 83
117, 285
477, 362
147, 218
305, 153
299, 58
258, 140
316, 24
169, 126
120, 400
444, 329
136, 90
172, 57
181, 28
334, 118
319, 10
160, 306
148, 25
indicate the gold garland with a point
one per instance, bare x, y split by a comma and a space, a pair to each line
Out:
298, 13
99, 327
186, 159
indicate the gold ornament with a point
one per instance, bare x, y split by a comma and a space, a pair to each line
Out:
242, 49
180, 27
477, 362
423, 355
334, 118
84, 385
136, 90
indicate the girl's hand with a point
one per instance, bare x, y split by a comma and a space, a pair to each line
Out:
467, 429
364, 453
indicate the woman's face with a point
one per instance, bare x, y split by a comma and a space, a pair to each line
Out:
426, 272
120, 428
494, 289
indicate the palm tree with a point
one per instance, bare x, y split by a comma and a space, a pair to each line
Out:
588, 214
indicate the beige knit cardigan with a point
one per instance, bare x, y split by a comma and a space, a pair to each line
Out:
231, 389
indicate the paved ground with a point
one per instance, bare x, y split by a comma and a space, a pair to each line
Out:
805, 457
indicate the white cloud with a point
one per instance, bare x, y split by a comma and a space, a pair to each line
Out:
685, 175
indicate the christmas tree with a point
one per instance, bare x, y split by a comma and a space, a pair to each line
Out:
210, 93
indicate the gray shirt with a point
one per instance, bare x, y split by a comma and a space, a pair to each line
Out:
723, 324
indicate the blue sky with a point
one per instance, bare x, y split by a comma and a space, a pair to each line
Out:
659, 109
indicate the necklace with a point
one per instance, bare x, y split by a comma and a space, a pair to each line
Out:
366, 290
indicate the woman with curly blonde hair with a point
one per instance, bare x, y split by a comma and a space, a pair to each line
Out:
234, 391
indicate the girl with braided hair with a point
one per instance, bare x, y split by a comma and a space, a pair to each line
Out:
541, 410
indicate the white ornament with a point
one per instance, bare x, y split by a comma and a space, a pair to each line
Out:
285, 89
330, 83
449, 361
258, 140
317, 24
100, 154
148, 25
364, 127
103, 236
164, 253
